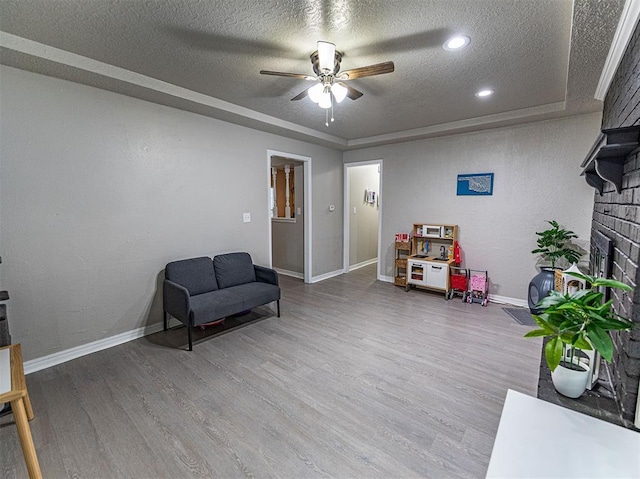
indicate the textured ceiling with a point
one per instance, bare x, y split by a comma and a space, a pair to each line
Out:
543, 58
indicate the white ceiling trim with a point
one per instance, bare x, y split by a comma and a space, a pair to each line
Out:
29, 47
460, 126
626, 26
266, 122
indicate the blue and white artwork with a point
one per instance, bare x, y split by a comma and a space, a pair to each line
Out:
475, 184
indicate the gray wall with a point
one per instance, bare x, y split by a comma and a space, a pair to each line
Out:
363, 226
537, 168
99, 191
288, 238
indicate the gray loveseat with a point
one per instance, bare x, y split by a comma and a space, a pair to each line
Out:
201, 290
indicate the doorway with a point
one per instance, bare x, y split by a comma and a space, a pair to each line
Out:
362, 215
289, 205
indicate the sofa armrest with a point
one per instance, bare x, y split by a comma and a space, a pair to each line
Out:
176, 300
266, 275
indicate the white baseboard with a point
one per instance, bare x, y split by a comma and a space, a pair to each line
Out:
363, 264
322, 277
286, 272
63, 356
67, 355
494, 298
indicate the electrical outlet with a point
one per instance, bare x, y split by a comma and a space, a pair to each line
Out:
246, 217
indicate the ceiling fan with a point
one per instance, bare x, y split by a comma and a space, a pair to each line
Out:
330, 81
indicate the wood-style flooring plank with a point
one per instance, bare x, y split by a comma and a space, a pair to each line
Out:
357, 378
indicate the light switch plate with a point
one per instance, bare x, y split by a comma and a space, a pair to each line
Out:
246, 217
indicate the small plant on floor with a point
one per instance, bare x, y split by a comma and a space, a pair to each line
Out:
552, 244
579, 320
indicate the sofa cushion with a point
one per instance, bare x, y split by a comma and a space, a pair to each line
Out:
195, 274
214, 305
256, 293
233, 269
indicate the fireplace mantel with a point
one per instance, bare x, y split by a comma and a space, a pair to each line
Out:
605, 161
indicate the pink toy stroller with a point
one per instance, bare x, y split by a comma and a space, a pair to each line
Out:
478, 287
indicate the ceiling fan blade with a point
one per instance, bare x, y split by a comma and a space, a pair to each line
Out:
377, 69
284, 74
300, 96
352, 93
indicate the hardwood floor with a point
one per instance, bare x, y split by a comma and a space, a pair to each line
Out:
358, 378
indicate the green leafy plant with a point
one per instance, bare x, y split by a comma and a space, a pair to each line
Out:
552, 244
580, 320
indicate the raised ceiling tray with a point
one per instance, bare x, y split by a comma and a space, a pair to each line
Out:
605, 161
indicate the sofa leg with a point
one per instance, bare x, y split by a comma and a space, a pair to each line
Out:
189, 336
278, 303
166, 320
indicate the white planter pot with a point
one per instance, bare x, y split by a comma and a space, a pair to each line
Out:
569, 382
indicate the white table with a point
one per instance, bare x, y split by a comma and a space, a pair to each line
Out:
5, 371
537, 439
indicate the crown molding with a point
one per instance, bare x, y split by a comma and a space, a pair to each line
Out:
40, 50
227, 111
626, 27
493, 121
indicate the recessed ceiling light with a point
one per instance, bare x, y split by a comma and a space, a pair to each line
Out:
456, 43
484, 93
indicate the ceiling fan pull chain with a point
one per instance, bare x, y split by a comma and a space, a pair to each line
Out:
326, 117
331, 108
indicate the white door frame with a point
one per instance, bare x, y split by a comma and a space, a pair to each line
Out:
347, 216
306, 214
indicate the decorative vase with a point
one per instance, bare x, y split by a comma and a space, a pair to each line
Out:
540, 287
571, 382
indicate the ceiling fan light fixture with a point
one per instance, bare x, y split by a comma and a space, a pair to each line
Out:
339, 92
326, 56
456, 43
325, 100
315, 92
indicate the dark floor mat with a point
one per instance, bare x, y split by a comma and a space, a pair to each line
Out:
521, 315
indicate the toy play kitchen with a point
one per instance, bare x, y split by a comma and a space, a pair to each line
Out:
433, 251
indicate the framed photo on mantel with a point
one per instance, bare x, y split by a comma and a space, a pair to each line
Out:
475, 184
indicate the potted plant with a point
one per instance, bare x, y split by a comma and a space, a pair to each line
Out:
554, 244
580, 321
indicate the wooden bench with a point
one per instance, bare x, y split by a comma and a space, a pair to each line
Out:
13, 389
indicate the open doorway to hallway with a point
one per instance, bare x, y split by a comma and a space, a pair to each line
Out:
290, 214
362, 214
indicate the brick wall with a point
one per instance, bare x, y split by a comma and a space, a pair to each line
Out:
618, 217
622, 104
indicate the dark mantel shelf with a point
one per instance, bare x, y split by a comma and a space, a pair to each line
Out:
605, 161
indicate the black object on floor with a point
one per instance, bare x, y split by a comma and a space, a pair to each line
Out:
521, 315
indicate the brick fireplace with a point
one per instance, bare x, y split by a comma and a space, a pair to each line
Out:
617, 217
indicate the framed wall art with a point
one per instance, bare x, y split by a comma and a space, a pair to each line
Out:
475, 184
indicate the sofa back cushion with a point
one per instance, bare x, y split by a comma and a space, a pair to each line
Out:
233, 269
195, 274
